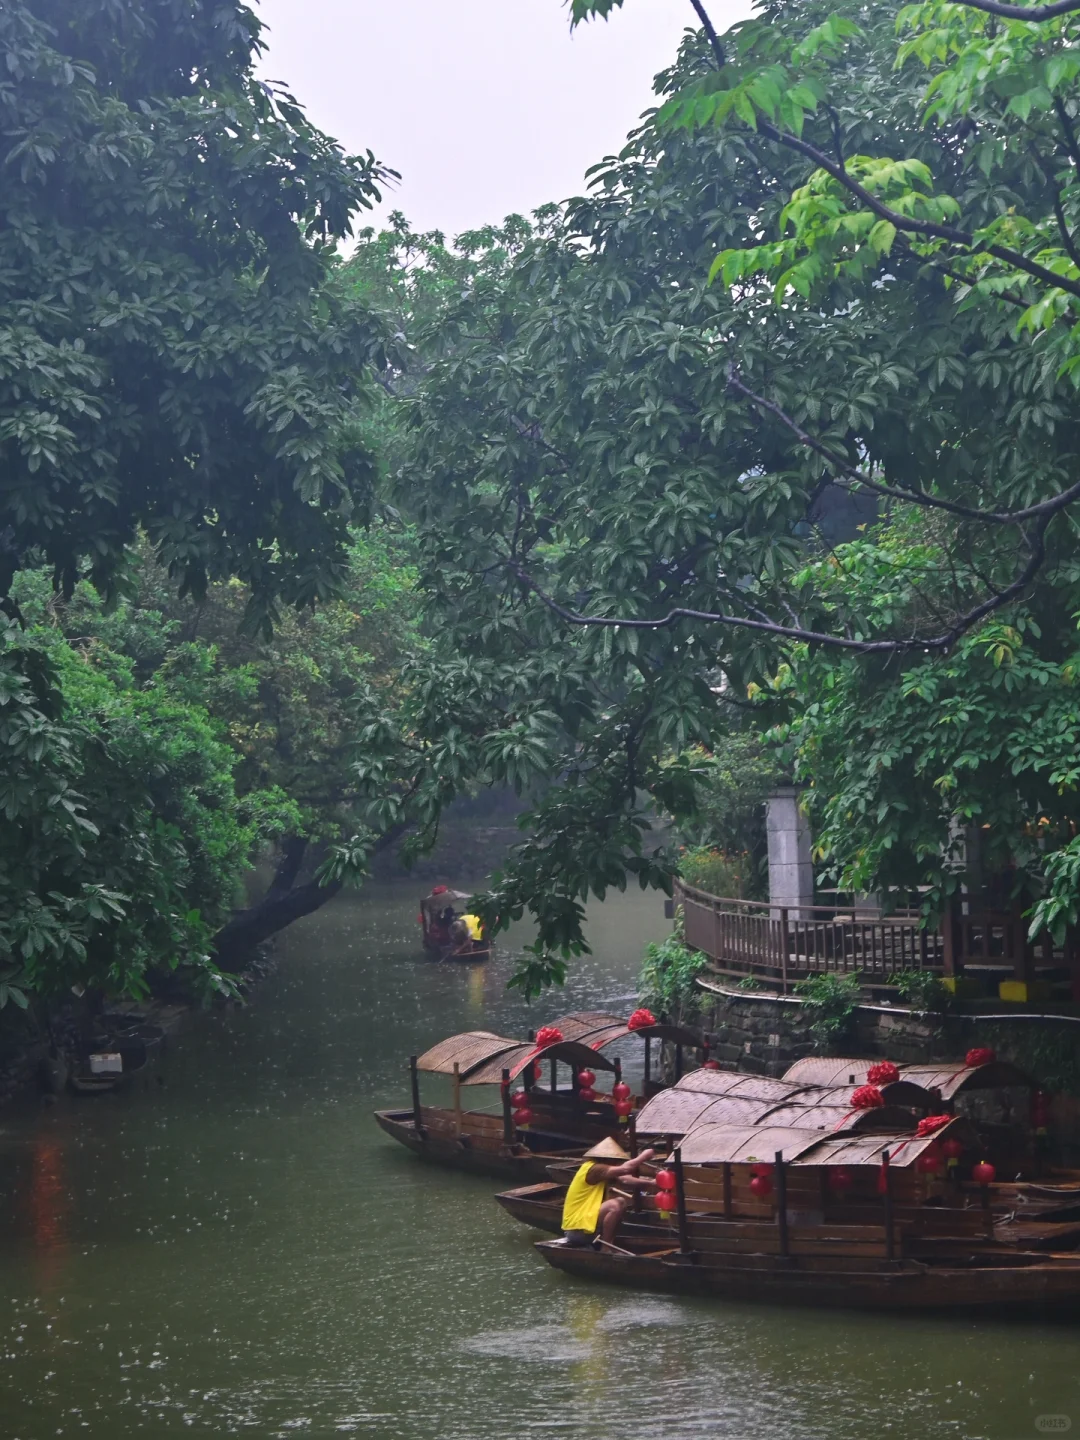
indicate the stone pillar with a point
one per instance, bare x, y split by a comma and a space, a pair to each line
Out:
791, 871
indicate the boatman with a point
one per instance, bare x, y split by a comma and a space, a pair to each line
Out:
591, 1213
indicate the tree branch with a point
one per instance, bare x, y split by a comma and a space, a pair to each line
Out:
1046, 508
714, 39
1023, 12
905, 223
1037, 554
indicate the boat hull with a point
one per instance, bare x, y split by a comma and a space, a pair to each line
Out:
1048, 1285
476, 1154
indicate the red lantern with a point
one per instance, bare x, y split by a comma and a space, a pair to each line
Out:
983, 1173
761, 1187
840, 1179
587, 1094
928, 1163
524, 1118
867, 1097
519, 1099
1040, 1110
548, 1035
710, 1065
981, 1055
624, 1109
620, 1090
664, 1200
640, 1020
883, 1073
952, 1149
665, 1179
586, 1079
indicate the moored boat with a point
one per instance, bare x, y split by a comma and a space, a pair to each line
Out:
555, 1113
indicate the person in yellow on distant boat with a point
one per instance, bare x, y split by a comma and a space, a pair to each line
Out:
591, 1213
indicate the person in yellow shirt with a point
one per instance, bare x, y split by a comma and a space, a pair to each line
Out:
591, 1214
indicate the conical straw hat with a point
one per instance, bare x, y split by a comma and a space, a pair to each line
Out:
607, 1150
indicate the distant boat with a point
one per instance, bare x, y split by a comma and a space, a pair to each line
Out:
451, 933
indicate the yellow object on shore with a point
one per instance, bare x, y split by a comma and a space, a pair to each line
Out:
476, 930
581, 1208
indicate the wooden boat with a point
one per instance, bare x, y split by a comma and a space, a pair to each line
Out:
438, 913
564, 1124
896, 1235
1011, 1284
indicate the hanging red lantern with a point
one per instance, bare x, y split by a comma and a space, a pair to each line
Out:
620, 1090
929, 1162
867, 1097
641, 1020
587, 1094
983, 1173
624, 1109
952, 1149
980, 1055
1040, 1110
665, 1180
710, 1065
586, 1079
524, 1118
664, 1200
840, 1179
761, 1187
883, 1073
519, 1099
548, 1035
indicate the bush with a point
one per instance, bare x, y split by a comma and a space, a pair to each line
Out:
716, 871
923, 991
668, 974
830, 1001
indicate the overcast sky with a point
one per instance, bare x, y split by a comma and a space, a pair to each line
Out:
485, 106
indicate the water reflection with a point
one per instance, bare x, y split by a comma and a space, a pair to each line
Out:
240, 1251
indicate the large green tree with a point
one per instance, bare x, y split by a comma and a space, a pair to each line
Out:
174, 353
687, 392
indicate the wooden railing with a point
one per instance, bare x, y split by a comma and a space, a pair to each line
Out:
781, 944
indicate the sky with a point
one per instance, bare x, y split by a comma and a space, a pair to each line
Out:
486, 107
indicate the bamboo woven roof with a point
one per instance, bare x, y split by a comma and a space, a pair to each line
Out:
740, 1145
675, 1111
569, 1052
743, 1145
468, 1050
733, 1082
598, 1030
950, 1077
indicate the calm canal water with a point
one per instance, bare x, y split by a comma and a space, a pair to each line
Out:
236, 1249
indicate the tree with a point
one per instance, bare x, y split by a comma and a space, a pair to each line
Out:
123, 846
285, 708
174, 351
628, 478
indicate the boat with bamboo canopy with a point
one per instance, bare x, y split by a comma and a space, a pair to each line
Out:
556, 1109
855, 1220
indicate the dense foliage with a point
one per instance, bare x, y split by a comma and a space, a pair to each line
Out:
174, 354
642, 491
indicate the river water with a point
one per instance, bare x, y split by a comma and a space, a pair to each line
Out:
232, 1247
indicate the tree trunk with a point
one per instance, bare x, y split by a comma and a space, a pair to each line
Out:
284, 902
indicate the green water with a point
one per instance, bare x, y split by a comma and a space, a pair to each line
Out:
238, 1250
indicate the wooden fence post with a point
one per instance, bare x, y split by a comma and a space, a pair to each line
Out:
508, 1119
781, 1205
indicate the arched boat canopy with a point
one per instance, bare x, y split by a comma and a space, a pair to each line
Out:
571, 1052
738, 1145
949, 1077
724, 1097
468, 1051
598, 1030
742, 1145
